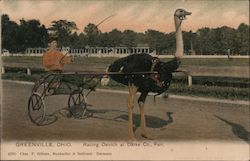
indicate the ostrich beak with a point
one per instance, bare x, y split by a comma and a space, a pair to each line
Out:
185, 14
188, 13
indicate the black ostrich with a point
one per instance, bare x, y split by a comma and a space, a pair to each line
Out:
157, 83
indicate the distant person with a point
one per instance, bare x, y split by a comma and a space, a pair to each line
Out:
53, 59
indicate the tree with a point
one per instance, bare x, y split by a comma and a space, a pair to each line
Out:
140, 38
115, 38
204, 41
187, 40
82, 42
156, 40
216, 40
105, 40
9, 34
63, 29
92, 34
129, 38
74, 41
31, 34
228, 41
243, 38
170, 43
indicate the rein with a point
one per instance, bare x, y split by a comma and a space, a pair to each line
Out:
155, 77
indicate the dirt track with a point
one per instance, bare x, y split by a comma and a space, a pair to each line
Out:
167, 120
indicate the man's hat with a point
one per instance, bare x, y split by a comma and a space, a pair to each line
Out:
52, 36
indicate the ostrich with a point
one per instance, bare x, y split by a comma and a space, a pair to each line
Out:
157, 83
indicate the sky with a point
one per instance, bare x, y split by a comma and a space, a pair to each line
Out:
137, 15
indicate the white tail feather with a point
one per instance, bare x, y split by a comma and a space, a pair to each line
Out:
105, 79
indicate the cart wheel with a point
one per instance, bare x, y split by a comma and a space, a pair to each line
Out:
77, 104
46, 86
36, 109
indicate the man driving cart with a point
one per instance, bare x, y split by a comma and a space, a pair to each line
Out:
54, 61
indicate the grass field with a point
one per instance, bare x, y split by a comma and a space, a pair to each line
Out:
177, 87
217, 87
105, 61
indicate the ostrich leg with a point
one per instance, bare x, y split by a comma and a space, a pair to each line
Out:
143, 121
131, 98
141, 101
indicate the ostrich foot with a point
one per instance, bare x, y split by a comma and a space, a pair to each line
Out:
147, 136
131, 138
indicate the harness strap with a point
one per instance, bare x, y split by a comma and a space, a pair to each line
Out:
155, 77
155, 60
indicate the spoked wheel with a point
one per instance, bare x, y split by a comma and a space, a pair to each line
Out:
77, 104
47, 85
36, 109
37, 112
39, 84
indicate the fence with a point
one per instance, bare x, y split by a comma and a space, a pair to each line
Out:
29, 72
125, 54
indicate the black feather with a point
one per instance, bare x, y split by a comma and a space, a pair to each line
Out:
143, 63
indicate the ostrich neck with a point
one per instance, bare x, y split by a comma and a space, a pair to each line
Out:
179, 40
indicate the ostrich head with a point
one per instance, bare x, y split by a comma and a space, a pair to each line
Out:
181, 14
